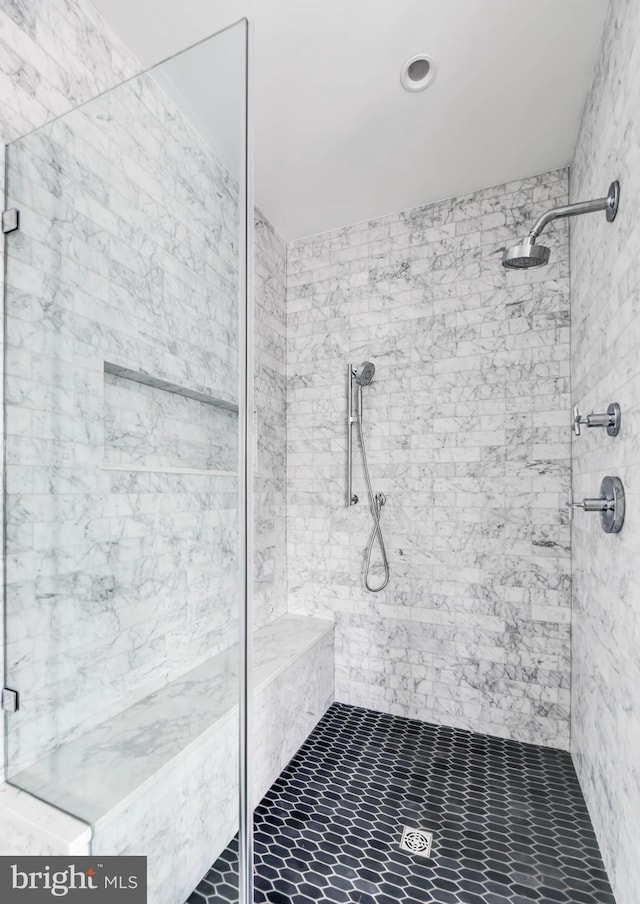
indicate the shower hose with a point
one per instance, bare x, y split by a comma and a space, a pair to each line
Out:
375, 502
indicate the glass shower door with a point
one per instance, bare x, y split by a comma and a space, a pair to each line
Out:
125, 414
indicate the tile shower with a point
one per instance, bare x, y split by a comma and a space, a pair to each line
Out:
466, 430
508, 821
491, 645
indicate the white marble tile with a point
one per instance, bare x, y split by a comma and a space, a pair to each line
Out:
56, 56
183, 821
156, 733
127, 254
270, 595
186, 814
125, 162
31, 826
287, 709
605, 332
467, 440
150, 427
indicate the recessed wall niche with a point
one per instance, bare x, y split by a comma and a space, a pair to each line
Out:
153, 425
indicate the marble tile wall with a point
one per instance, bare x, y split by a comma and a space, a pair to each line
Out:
54, 56
126, 254
466, 426
30, 826
605, 337
170, 819
270, 573
150, 427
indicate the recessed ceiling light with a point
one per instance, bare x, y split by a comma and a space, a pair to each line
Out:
418, 72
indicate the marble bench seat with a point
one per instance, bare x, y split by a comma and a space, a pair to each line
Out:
160, 778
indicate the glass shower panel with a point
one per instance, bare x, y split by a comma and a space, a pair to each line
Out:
125, 336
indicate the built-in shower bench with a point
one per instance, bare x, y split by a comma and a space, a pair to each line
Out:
160, 778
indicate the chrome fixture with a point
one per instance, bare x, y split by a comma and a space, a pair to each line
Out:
9, 700
363, 375
356, 379
352, 499
416, 841
10, 220
529, 254
610, 420
610, 503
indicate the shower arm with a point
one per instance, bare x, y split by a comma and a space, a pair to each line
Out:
610, 204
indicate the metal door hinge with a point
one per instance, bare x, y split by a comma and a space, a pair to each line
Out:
9, 700
10, 220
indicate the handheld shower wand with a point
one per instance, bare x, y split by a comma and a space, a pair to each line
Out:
363, 376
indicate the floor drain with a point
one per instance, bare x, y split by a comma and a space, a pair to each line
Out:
416, 841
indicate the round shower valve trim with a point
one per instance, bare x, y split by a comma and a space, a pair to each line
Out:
610, 503
613, 201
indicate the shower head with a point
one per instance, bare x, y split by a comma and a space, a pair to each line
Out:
525, 255
363, 375
528, 254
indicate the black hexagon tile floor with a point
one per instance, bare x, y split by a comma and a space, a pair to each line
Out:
509, 822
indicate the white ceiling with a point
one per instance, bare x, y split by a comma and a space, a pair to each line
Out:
337, 139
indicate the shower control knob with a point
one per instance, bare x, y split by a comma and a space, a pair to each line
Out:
610, 420
610, 503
